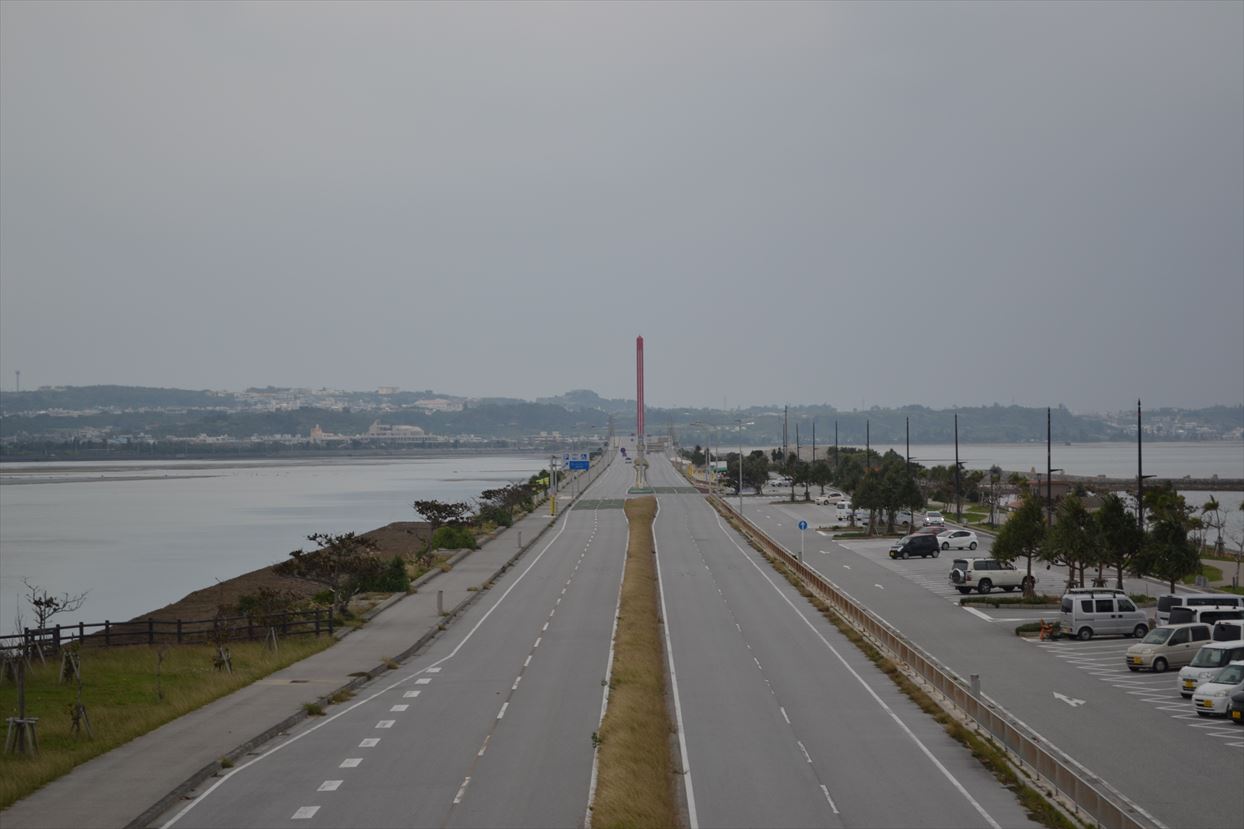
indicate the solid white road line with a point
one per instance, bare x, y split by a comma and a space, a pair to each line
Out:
692, 819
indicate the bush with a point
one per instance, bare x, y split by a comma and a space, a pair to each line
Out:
392, 579
496, 514
453, 538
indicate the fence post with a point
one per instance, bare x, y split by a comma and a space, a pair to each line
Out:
317, 623
81, 634
330, 621
107, 633
150, 631
56, 639
179, 631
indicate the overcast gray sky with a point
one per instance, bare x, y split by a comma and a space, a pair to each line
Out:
859, 204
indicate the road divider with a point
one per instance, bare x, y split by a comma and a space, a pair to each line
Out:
635, 776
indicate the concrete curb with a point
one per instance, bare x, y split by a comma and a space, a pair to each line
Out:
167, 802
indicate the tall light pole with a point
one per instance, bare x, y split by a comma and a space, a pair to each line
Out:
740, 422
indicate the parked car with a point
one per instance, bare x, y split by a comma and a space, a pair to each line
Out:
1169, 646
958, 539
1209, 614
933, 518
1209, 660
831, 497
915, 545
1236, 711
1227, 630
984, 574
1088, 612
1212, 698
861, 517
1171, 600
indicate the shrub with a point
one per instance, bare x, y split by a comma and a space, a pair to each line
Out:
453, 538
392, 579
498, 515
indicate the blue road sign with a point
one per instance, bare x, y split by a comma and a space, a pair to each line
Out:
803, 525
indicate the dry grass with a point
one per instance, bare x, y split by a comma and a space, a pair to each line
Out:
119, 692
635, 784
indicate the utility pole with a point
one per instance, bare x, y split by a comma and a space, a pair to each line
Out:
1049, 473
785, 432
814, 440
958, 499
867, 445
835, 447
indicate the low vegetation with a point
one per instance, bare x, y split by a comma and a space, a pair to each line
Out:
635, 783
124, 699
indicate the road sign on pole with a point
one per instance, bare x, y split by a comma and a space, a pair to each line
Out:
803, 527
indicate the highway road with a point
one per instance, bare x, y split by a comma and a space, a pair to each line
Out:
784, 723
1132, 729
491, 726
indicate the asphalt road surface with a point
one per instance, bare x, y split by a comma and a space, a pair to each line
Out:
784, 723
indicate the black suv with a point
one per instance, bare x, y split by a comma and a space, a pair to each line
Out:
915, 545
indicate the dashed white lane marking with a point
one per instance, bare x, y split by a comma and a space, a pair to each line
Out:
423, 680
757, 661
385, 723
517, 680
539, 639
461, 791
783, 710
484, 747
806, 755
527, 661
848, 566
435, 670
370, 742
552, 613
878, 586
330, 786
501, 713
350, 763
546, 627
305, 813
399, 707
411, 694
832, 805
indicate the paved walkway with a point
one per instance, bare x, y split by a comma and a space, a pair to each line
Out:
135, 783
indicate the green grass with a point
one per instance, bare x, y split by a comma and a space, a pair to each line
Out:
1210, 572
119, 693
1040, 600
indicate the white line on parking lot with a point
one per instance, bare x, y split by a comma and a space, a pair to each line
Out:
976, 612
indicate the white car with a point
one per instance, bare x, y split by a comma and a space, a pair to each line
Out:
1213, 697
957, 539
831, 497
933, 518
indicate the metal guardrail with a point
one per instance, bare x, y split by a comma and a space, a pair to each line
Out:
169, 631
1088, 793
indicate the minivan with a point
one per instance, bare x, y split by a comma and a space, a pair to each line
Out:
1169, 646
1227, 630
843, 511
1087, 613
1165, 603
1208, 614
1211, 658
915, 545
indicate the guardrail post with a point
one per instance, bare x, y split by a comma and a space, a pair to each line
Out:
975, 679
150, 631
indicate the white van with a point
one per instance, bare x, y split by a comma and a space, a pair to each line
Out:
1166, 602
1209, 660
843, 513
1086, 613
1209, 614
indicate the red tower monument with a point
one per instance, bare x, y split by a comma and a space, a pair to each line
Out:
641, 462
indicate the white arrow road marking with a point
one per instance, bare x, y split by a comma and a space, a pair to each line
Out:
1069, 700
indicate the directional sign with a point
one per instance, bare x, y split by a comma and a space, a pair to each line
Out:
576, 460
803, 525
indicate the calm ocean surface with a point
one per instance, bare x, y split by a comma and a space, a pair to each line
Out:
142, 534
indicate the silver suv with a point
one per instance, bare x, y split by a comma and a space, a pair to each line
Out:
984, 574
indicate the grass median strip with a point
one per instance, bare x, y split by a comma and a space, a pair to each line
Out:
125, 698
635, 779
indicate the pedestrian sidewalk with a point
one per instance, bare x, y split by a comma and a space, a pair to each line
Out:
135, 783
